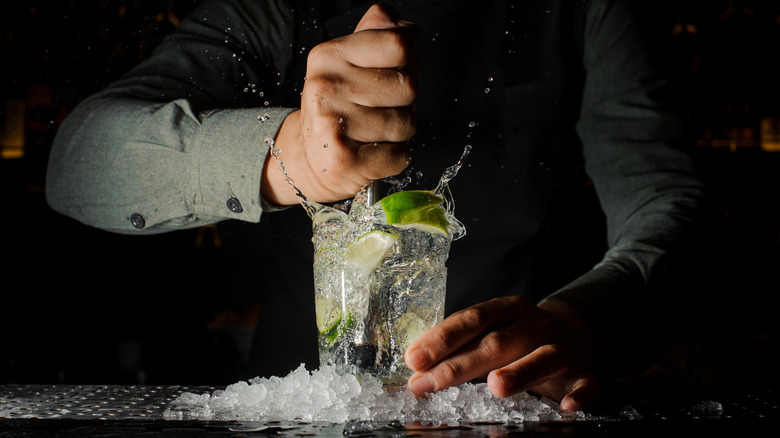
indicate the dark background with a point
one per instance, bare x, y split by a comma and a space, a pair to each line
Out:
81, 305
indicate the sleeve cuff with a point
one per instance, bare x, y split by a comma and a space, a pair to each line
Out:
227, 162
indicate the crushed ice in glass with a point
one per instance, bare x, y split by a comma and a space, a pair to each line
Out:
324, 395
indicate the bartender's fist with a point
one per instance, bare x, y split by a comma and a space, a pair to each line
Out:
356, 115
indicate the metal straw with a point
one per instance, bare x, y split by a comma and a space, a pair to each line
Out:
372, 193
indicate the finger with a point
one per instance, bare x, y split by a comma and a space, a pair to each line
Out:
384, 17
372, 88
493, 350
368, 49
356, 163
380, 160
584, 394
370, 125
381, 16
539, 366
381, 87
461, 328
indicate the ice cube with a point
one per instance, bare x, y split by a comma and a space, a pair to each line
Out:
326, 395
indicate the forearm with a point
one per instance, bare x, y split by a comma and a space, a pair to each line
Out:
646, 183
177, 142
141, 167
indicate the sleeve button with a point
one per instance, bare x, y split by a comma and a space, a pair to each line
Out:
234, 205
137, 221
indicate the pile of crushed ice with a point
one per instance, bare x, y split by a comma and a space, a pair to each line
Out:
327, 396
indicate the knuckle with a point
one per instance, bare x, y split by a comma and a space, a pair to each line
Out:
407, 87
555, 358
475, 318
326, 125
321, 86
409, 124
513, 301
448, 372
443, 336
401, 124
558, 354
395, 46
550, 350
342, 157
319, 54
496, 344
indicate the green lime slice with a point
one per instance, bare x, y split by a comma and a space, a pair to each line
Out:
416, 208
368, 251
328, 314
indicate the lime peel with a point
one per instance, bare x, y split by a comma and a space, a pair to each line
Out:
417, 209
328, 314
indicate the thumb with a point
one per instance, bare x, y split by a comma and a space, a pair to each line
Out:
382, 16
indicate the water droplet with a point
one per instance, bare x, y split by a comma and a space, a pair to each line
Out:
490, 79
472, 124
324, 170
487, 90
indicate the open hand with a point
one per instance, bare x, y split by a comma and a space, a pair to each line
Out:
516, 344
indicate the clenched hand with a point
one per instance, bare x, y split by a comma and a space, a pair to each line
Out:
356, 115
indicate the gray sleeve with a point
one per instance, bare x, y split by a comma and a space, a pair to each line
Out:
180, 140
644, 178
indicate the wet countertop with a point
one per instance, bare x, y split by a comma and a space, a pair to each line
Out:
137, 410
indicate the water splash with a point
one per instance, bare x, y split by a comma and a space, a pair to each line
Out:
443, 189
452, 171
311, 207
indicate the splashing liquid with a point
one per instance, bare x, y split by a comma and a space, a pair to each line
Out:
443, 188
311, 207
369, 309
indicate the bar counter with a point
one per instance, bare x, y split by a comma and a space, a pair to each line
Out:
137, 410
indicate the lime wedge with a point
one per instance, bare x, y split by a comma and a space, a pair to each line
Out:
369, 250
328, 314
415, 208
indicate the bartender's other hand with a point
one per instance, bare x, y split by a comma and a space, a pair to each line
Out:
356, 115
517, 345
